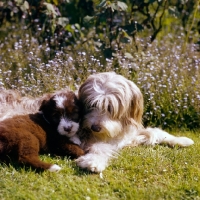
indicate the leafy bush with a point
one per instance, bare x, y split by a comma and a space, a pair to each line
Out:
168, 77
48, 45
109, 24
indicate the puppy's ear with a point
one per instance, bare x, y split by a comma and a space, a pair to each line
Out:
46, 101
43, 105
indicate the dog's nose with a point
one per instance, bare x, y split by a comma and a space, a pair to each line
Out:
68, 128
95, 128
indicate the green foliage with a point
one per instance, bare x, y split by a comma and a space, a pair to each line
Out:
48, 45
115, 22
138, 173
168, 78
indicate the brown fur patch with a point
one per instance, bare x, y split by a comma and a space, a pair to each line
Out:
28, 135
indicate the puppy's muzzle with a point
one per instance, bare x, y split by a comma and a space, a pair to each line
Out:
68, 128
96, 128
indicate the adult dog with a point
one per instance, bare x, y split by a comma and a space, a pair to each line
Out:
51, 130
113, 109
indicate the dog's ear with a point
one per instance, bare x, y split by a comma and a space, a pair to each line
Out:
46, 101
137, 104
136, 110
43, 105
46, 104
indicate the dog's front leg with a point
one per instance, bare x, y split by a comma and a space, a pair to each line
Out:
97, 158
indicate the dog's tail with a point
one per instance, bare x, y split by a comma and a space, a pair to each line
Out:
152, 136
12, 103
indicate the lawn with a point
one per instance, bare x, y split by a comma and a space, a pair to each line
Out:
157, 172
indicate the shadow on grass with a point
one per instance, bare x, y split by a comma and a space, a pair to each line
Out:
82, 172
12, 162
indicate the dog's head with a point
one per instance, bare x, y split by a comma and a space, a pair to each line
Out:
110, 102
62, 111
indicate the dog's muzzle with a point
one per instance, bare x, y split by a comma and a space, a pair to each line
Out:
96, 128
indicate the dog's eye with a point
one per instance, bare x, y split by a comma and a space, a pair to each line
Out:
109, 109
75, 117
55, 114
93, 106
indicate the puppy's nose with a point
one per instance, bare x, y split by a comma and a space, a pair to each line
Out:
95, 128
68, 128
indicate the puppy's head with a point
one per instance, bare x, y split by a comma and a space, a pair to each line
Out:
62, 112
111, 102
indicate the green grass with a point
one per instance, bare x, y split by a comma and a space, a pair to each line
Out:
141, 172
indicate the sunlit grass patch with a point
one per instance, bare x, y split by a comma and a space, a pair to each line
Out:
157, 172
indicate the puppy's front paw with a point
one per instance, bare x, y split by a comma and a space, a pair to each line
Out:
92, 162
75, 140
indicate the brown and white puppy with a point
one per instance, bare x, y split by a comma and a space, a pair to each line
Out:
51, 130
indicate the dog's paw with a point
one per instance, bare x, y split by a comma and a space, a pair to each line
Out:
92, 162
54, 168
184, 141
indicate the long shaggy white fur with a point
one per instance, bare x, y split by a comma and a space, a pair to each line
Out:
113, 108
12, 103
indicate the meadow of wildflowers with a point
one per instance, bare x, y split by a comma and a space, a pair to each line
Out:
166, 72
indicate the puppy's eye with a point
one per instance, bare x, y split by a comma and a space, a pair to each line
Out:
56, 115
75, 117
